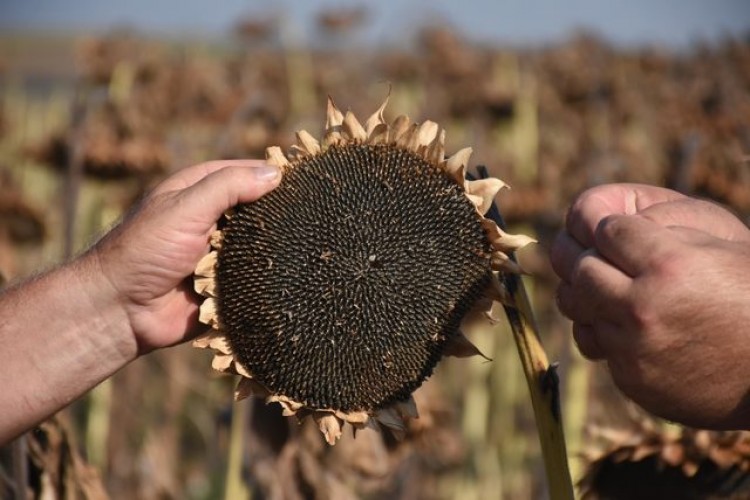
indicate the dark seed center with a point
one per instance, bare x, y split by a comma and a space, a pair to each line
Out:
340, 288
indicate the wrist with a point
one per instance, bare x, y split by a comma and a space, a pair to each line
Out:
64, 332
102, 304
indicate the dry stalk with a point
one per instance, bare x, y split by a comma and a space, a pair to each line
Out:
541, 378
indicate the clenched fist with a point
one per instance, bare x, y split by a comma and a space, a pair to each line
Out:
658, 285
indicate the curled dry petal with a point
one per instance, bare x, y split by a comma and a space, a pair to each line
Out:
207, 313
500, 261
408, 138
274, 156
480, 314
461, 347
222, 362
334, 120
241, 370
289, 406
436, 150
308, 143
379, 134
476, 201
205, 285
353, 417
390, 418
500, 240
487, 189
207, 265
376, 118
297, 153
353, 129
216, 239
426, 133
329, 425
334, 117
248, 387
220, 343
408, 408
398, 128
203, 341
456, 165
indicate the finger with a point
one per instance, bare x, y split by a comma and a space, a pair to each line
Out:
701, 215
564, 253
595, 292
206, 200
632, 242
190, 175
586, 340
599, 202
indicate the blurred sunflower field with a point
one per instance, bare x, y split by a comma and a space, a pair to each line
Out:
88, 125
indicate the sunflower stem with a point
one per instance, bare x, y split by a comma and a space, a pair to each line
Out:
543, 387
234, 485
541, 377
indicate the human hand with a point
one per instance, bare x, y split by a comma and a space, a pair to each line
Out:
149, 258
657, 285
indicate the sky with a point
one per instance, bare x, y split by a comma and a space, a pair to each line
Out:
675, 23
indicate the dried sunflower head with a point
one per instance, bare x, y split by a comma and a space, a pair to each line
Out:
654, 461
337, 293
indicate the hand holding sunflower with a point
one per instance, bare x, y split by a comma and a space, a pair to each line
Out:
149, 258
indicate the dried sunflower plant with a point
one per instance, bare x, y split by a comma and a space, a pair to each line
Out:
337, 294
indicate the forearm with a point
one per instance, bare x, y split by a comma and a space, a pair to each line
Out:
61, 334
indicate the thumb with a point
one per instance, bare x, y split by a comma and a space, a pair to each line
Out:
206, 200
600, 202
700, 215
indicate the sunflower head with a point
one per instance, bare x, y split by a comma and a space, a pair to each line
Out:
653, 460
337, 294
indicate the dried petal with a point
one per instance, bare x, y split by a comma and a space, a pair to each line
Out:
205, 286
376, 118
248, 387
220, 343
407, 408
487, 189
379, 134
207, 265
398, 128
274, 156
207, 314
426, 133
456, 165
308, 143
353, 129
329, 425
216, 239
436, 150
461, 347
222, 362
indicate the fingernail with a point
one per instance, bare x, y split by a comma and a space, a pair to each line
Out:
266, 173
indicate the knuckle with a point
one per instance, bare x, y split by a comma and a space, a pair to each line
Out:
610, 228
641, 314
668, 264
